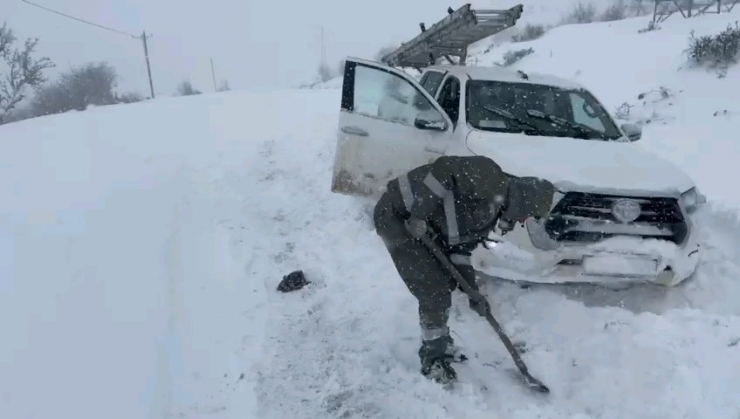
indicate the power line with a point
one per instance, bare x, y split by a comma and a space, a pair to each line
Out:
143, 37
80, 20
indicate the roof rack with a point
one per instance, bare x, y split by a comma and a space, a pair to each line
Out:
452, 35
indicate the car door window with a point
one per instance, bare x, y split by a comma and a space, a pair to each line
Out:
584, 114
449, 98
386, 96
431, 80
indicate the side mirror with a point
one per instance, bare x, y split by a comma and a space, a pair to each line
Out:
430, 125
632, 131
588, 110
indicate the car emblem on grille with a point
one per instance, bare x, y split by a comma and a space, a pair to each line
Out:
626, 210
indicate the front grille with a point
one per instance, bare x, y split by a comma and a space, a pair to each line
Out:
586, 217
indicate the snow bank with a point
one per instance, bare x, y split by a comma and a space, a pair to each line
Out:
121, 287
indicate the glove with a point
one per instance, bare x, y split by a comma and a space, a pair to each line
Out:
482, 308
506, 226
417, 227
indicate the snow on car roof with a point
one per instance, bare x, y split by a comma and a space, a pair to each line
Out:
506, 75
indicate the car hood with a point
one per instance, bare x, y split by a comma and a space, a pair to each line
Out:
582, 165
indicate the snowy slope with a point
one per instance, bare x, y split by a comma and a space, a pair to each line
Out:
142, 244
123, 293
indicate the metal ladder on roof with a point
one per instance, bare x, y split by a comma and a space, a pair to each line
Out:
451, 36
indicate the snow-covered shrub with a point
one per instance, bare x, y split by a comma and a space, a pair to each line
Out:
617, 11
77, 89
715, 50
515, 55
640, 7
185, 88
325, 72
623, 111
652, 26
378, 57
529, 33
581, 13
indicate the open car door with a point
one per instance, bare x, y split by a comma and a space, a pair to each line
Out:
388, 124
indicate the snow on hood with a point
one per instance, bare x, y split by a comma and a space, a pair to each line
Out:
582, 165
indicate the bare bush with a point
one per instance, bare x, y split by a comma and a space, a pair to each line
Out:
513, 56
91, 84
617, 11
640, 7
718, 50
129, 97
652, 26
325, 73
529, 32
623, 111
185, 88
24, 71
383, 52
19, 114
581, 13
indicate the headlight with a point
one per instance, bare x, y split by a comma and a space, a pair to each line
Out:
691, 199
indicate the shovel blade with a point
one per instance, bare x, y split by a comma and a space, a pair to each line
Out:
536, 385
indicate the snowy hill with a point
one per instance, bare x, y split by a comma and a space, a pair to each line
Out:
140, 248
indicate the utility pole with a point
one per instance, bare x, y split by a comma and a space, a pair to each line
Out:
323, 46
146, 56
143, 36
213, 73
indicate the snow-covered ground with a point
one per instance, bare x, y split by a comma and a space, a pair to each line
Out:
140, 248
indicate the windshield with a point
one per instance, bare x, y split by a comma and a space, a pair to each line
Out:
537, 109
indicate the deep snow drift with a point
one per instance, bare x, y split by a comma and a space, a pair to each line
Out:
122, 291
142, 244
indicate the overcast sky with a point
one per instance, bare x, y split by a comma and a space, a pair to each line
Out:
255, 44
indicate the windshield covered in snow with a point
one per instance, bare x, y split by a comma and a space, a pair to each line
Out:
537, 109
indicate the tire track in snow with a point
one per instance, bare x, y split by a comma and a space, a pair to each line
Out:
163, 395
212, 331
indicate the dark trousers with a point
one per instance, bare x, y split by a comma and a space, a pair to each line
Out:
423, 274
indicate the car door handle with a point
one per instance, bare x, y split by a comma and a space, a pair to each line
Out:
355, 131
433, 150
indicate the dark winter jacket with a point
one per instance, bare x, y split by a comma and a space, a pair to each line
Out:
459, 197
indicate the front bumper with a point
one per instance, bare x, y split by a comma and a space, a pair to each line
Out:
614, 262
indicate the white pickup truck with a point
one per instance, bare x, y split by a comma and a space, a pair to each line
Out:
621, 214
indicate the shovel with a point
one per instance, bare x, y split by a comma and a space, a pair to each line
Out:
530, 381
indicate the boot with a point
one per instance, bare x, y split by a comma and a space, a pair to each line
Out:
434, 365
440, 371
453, 352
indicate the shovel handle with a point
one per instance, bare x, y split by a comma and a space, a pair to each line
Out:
477, 296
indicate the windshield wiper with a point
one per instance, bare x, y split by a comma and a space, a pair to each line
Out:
522, 124
580, 131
